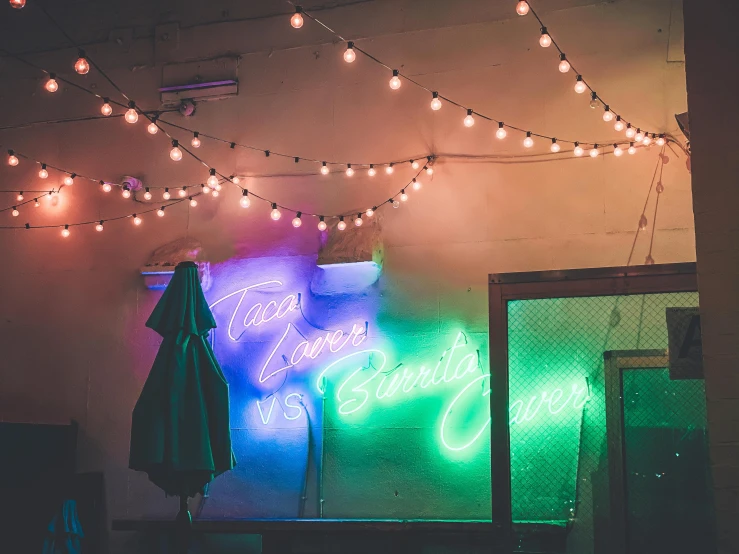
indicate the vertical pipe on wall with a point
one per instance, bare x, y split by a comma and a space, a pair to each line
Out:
323, 440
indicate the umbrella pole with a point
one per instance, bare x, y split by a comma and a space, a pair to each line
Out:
183, 527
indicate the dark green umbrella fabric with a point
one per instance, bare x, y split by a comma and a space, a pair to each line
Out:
180, 431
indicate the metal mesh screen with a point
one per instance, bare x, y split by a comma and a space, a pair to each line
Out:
561, 413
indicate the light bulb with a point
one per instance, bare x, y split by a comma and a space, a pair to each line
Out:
132, 116
594, 151
12, 158
396, 204
643, 222
545, 41
160, 212
126, 193
389, 169
415, 164
297, 19
342, 224
212, 180
371, 171
647, 140
607, 115
639, 136
649, 260
358, 221
136, 220
65, 231
528, 142
660, 188
152, 128
522, 8
619, 125
321, 224
147, 194
555, 146
235, 180
594, 102
416, 184
403, 196
36, 203
166, 195
275, 213
51, 85
106, 109
370, 212
501, 132
297, 222
175, 154
15, 212
82, 66
580, 85
324, 169
617, 151
17, 4
182, 192
204, 189
632, 149
195, 142
99, 227
193, 202
435, 101
661, 141
349, 54
107, 187
349, 170
578, 150
395, 80
469, 121
244, 201
564, 65
43, 174
69, 180
19, 197
429, 170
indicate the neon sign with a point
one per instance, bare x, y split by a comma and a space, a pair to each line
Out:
362, 377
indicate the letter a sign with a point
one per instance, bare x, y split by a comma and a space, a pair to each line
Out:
686, 350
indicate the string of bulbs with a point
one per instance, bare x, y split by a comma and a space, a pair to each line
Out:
634, 134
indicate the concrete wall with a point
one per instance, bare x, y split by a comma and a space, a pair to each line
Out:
73, 310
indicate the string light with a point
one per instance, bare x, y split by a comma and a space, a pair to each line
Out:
235, 180
195, 142
435, 101
99, 226
528, 142
501, 132
275, 213
175, 154
619, 125
160, 212
106, 186
358, 221
152, 128
643, 223
545, 41
370, 211
342, 224
182, 192
51, 85
193, 202
82, 66
106, 109
43, 174
522, 8
580, 85
244, 201
415, 164
36, 203
555, 147
594, 102
12, 158
617, 151
389, 169
297, 19
469, 121
297, 222
395, 203
632, 149
204, 189
65, 231
349, 54
403, 196
661, 140
17, 4
564, 65
660, 188
429, 170
395, 80
126, 193
578, 150
147, 194
647, 140
371, 171
212, 180
19, 198
136, 220
349, 170
15, 212
416, 184
630, 132
639, 136
166, 195
324, 169
321, 223
69, 179
594, 151
607, 114
132, 116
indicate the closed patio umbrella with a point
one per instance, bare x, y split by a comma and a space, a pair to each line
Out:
180, 432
